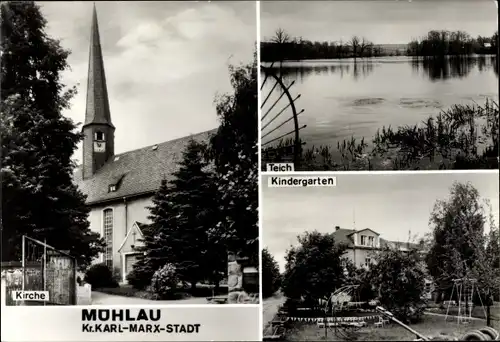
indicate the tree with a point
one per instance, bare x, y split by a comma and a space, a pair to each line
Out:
233, 150
157, 242
486, 269
399, 277
313, 268
183, 211
271, 277
39, 198
359, 276
457, 238
281, 37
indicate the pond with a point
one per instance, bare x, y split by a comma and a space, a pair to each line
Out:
353, 98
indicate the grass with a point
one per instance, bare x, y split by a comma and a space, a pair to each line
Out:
432, 326
477, 311
202, 290
462, 137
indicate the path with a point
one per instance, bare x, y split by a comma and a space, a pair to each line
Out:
270, 308
100, 298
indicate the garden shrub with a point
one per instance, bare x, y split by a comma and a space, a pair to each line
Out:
164, 282
100, 276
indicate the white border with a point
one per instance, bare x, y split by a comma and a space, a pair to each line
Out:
259, 163
375, 173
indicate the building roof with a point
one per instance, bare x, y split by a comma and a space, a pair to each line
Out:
345, 236
135, 227
365, 229
136, 172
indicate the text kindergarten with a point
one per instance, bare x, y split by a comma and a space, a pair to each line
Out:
147, 321
296, 181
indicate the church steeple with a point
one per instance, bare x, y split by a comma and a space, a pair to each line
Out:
98, 142
97, 111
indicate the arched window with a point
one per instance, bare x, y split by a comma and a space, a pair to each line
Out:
108, 236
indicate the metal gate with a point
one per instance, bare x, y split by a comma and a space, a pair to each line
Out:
44, 268
276, 145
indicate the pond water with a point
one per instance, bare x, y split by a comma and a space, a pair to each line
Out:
344, 98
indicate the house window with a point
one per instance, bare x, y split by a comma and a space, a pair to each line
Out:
371, 241
108, 236
99, 136
363, 240
368, 261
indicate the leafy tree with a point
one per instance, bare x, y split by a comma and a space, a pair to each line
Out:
486, 270
183, 211
271, 278
156, 243
457, 238
359, 276
39, 198
313, 268
234, 152
399, 277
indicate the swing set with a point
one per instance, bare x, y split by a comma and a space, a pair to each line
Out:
464, 288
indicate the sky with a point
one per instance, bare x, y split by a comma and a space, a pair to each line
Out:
382, 22
394, 205
165, 62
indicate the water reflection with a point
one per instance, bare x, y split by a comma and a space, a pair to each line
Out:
454, 67
300, 71
357, 70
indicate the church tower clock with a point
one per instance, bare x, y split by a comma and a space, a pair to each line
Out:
98, 131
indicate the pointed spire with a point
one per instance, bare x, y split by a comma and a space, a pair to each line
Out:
97, 110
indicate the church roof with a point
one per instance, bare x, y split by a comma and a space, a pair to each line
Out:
136, 172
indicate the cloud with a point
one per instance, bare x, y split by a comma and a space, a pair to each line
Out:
335, 20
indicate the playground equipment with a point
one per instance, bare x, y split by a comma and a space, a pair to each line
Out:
483, 334
391, 317
344, 298
464, 289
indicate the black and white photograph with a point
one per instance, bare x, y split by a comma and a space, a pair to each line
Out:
392, 257
379, 85
129, 153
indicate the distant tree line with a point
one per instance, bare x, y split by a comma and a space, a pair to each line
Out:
437, 43
456, 43
284, 47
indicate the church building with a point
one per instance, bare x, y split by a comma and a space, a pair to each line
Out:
119, 187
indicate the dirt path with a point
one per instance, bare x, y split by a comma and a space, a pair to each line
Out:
100, 298
270, 308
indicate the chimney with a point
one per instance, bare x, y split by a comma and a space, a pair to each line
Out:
337, 228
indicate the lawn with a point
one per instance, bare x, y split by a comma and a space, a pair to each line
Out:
202, 290
432, 326
477, 311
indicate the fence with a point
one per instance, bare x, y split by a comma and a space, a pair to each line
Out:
42, 268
